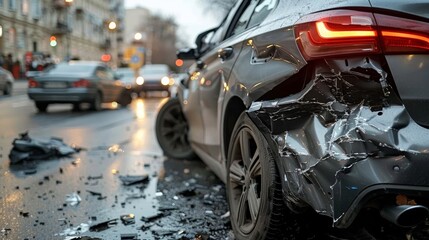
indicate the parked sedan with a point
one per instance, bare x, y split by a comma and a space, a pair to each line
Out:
77, 82
130, 78
156, 77
6, 81
308, 107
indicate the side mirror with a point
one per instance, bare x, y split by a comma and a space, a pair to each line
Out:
186, 54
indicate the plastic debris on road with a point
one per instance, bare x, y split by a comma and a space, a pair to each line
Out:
133, 179
73, 199
26, 148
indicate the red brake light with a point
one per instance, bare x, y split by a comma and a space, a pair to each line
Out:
32, 83
82, 83
348, 32
338, 32
403, 35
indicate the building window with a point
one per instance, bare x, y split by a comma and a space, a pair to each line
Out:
36, 9
12, 5
25, 7
1, 3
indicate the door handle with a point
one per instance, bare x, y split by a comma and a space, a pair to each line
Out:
225, 53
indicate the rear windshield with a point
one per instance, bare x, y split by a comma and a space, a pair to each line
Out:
72, 69
154, 70
127, 74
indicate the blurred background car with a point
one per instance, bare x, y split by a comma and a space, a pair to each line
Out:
129, 78
157, 77
6, 81
77, 82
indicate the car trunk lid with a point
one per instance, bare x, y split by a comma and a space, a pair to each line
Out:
410, 69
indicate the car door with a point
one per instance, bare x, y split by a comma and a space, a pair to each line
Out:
116, 86
3, 79
217, 66
105, 83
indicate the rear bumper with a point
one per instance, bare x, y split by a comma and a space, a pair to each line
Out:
152, 87
342, 137
74, 95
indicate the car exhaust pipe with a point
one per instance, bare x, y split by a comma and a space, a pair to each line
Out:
405, 215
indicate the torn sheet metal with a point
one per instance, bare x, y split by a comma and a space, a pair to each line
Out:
133, 179
26, 148
344, 136
73, 199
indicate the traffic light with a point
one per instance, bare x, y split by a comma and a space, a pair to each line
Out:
179, 62
106, 57
53, 41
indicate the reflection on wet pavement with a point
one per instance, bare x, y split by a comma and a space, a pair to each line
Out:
121, 186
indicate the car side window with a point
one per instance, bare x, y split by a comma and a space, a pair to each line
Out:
241, 24
261, 11
101, 73
110, 75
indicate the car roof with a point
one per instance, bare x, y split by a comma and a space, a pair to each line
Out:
80, 62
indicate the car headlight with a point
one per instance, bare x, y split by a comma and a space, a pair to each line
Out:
171, 81
165, 81
139, 80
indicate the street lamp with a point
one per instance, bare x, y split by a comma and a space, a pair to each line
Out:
112, 25
138, 36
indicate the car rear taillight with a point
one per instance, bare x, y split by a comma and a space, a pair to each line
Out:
82, 83
33, 83
401, 35
348, 32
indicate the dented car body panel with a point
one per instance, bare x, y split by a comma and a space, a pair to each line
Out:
345, 133
349, 132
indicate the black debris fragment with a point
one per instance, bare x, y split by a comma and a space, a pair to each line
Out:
94, 193
24, 214
86, 238
188, 192
26, 148
133, 179
30, 171
129, 236
95, 177
103, 225
155, 217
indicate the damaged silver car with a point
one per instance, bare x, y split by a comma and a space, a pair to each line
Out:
311, 106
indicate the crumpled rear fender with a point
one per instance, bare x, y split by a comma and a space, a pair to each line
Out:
345, 133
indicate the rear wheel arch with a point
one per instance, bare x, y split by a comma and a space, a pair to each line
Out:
231, 114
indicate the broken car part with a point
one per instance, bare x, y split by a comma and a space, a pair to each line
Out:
26, 148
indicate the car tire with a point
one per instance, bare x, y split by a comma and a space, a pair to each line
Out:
76, 107
172, 131
253, 187
41, 106
95, 105
7, 89
125, 99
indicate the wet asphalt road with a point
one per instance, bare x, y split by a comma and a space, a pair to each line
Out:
178, 200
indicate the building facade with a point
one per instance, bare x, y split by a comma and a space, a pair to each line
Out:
63, 29
156, 34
